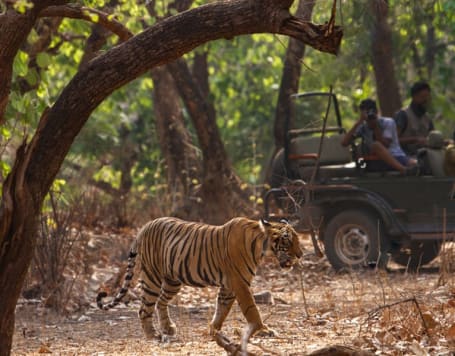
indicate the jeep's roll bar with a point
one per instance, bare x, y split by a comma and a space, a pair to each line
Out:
290, 133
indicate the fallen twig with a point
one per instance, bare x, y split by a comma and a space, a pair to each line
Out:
390, 305
340, 350
231, 348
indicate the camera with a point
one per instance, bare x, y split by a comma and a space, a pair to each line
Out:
371, 115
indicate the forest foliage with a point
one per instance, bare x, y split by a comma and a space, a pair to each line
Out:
245, 74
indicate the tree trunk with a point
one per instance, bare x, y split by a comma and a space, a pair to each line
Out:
19, 215
382, 59
219, 184
96, 41
183, 165
291, 76
289, 83
424, 16
38, 162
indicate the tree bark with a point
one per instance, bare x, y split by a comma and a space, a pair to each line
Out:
220, 185
384, 69
38, 162
182, 162
291, 76
289, 83
183, 165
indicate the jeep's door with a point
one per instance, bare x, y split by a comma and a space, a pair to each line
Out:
424, 205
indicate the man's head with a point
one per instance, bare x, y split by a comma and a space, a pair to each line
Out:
369, 110
421, 95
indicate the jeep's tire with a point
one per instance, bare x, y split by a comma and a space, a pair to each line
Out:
418, 254
353, 239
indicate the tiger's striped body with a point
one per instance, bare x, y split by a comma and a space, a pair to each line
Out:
175, 252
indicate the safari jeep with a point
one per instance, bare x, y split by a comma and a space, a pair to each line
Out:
360, 217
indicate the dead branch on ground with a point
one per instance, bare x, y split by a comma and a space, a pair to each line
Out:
374, 312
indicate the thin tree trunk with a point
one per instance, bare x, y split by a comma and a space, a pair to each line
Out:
289, 83
97, 39
183, 165
291, 76
219, 184
382, 59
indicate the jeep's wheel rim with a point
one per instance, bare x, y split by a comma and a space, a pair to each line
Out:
352, 244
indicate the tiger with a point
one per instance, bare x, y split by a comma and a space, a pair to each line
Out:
174, 252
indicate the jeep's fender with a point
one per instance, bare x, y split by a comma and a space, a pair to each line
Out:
328, 201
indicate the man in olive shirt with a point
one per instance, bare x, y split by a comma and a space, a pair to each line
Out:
413, 122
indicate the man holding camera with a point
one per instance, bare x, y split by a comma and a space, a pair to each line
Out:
379, 138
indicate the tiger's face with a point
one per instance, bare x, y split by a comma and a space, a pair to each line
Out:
283, 242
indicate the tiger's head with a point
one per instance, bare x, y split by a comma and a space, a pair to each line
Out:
282, 242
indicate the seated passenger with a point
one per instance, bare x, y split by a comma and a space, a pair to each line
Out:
379, 137
413, 122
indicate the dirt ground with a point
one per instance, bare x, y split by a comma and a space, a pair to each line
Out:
386, 313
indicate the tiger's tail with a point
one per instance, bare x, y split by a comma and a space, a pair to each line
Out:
126, 282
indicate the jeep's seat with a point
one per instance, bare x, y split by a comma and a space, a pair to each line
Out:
305, 150
432, 156
335, 160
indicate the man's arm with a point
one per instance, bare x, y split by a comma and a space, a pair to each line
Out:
385, 137
401, 120
350, 135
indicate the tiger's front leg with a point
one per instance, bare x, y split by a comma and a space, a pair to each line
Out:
224, 301
168, 290
250, 311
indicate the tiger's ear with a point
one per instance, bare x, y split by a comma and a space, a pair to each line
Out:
284, 221
263, 223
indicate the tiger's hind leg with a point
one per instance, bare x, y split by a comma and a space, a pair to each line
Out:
224, 301
169, 289
150, 294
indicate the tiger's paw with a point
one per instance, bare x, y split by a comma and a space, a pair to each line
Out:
266, 332
213, 330
169, 329
165, 338
148, 328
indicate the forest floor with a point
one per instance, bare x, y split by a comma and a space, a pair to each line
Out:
386, 313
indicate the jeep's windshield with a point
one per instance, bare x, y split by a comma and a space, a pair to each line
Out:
310, 111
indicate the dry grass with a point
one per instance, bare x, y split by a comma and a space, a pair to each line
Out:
393, 313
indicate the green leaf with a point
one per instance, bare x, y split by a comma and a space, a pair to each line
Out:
32, 77
5, 132
43, 60
20, 65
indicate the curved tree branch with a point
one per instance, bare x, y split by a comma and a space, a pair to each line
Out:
325, 38
76, 11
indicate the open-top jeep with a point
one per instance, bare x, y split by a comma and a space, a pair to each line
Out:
361, 217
